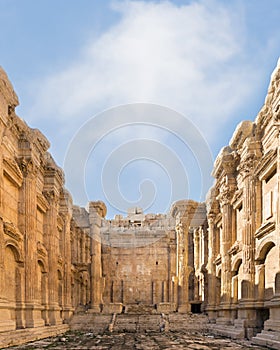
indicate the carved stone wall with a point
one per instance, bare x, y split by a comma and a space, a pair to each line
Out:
243, 219
221, 256
44, 255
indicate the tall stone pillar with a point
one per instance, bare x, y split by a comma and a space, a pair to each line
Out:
66, 212
196, 243
247, 313
97, 211
186, 215
225, 196
52, 242
27, 225
211, 305
53, 183
183, 275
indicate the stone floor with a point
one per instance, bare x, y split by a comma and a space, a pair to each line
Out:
133, 331
150, 341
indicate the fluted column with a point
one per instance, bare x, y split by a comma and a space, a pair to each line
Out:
247, 313
66, 211
27, 225
52, 242
211, 306
97, 210
226, 192
183, 271
196, 243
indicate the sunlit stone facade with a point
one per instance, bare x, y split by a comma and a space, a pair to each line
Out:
243, 228
220, 257
44, 255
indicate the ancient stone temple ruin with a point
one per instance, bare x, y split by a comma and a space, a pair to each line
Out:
220, 257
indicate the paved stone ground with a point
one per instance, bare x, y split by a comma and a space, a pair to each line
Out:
145, 340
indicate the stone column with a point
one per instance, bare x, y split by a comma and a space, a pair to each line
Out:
211, 305
97, 211
27, 225
186, 215
171, 271
247, 313
225, 196
66, 211
7, 323
183, 277
52, 241
196, 243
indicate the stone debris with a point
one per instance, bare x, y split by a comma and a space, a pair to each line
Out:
143, 332
140, 341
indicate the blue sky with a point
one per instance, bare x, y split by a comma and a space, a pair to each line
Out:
74, 63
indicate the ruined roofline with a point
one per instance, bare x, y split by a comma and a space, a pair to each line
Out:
248, 128
7, 90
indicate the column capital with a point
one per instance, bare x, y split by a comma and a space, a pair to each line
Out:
27, 166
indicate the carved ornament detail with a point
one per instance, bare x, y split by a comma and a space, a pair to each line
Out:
12, 171
227, 191
12, 231
27, 166
41, 250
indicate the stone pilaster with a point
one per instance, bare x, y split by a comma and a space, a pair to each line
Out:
53, 182
187, 215
66, 211
52, 242
27, 225
226, 191
97, 210
247, 313
211, 305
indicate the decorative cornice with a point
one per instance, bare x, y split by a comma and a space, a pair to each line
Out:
42, 202
235, 248
12, 171
218, 260
265, 229
266, 163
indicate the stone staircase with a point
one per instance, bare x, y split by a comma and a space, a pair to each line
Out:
267, 338
140, 309
21, 336
188, 322
134, 323
229, 331
90, 322
138, 323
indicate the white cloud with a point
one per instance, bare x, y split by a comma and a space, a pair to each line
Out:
189, 58
178, 56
